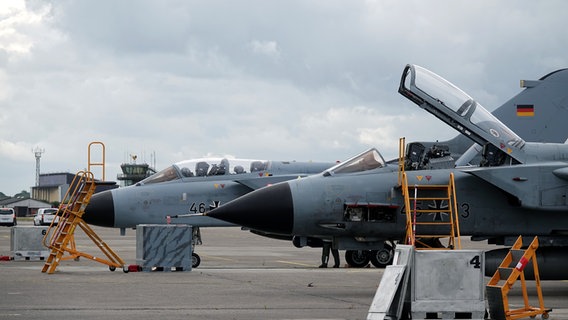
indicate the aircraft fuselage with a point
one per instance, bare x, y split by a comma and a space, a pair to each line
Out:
322, 207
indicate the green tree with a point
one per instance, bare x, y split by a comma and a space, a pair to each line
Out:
22, 195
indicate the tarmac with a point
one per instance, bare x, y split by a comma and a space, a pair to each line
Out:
241, 276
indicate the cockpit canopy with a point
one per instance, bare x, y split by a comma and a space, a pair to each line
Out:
368, 160
207, 167
456, 108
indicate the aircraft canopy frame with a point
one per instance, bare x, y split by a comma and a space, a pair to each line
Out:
456, 108
368, 160
206, 167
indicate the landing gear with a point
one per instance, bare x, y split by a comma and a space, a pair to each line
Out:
383, 257
195, 240
357, 258
195, 260
379, 258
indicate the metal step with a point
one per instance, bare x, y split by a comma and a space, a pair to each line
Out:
494, 297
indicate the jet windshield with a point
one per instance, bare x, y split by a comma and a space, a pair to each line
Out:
447, 102
368, 160
207, 167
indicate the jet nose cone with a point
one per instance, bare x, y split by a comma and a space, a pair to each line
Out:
268, 209
100, 211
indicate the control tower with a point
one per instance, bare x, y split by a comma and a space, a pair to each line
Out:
133, 172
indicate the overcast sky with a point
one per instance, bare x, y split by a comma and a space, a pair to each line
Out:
275, 80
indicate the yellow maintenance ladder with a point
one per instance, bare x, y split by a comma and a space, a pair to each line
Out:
509, 271
437, 194
59, 237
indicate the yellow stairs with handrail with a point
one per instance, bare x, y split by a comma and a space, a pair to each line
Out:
59, 237
437, 194
438, 228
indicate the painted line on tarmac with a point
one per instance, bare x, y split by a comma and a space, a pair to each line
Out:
215, 258
295, 263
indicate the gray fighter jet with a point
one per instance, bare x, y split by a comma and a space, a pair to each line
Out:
190, 187
199, 188
517, 188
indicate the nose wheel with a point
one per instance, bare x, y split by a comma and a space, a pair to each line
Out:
195, 260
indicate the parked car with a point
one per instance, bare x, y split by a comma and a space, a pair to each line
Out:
8, 217
45, 216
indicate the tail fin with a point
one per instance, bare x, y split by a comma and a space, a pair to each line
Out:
539, 112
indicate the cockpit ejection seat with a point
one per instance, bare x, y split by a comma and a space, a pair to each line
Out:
223, 167
414, 156
256, 166
201, 168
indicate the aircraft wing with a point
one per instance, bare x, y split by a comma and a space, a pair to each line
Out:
533, 186
257, 183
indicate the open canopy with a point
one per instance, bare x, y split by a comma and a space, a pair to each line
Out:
456, 108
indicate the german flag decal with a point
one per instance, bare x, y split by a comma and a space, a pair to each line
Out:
525, 110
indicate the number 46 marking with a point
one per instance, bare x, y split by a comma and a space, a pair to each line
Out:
197, 207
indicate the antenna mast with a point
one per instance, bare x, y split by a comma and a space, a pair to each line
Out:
37, 152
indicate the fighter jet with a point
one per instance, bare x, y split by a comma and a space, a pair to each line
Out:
172, 192
190, 187
518, 188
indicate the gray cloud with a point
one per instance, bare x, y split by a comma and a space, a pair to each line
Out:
304, 80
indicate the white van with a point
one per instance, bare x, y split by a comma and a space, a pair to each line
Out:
45, 216
7, 217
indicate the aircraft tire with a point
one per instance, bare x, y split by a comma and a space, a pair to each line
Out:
383, 257
357, 258
195, 260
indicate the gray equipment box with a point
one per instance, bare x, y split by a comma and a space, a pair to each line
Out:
448, 284
26, 243
164, 247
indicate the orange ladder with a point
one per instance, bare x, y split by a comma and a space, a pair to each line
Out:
509, 271
438, 194
435, 193
59, 237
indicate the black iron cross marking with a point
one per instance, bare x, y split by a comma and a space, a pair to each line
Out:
214, 205
438, 205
